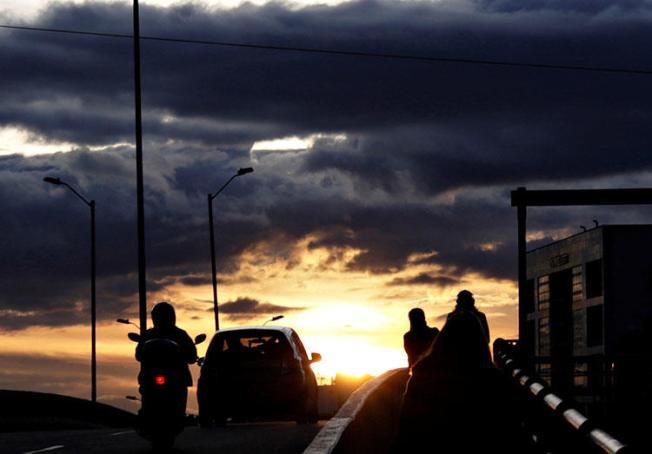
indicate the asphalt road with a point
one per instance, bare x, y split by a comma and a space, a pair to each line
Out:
270, 437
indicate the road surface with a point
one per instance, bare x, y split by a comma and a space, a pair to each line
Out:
269, 437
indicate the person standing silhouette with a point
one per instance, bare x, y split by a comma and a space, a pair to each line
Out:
418, 340
466, 304
456, 401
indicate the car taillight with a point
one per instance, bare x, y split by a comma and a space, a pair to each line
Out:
160, 379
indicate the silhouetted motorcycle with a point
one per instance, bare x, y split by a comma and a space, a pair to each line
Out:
162, 415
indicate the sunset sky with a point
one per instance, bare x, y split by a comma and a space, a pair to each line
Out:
380, 185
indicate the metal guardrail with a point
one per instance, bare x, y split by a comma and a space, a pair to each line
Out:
560, 410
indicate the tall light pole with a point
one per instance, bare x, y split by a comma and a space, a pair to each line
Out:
241, 172
91, 205
140, 203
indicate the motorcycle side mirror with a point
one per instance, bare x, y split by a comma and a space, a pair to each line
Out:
134, 337
316, 357
200, 338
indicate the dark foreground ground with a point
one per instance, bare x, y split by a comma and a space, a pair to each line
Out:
33, 411
38, 422
269, 437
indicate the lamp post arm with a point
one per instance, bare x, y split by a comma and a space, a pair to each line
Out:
81, 197
212, 196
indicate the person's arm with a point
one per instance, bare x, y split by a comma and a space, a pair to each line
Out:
193, 357
139, 347
408, 349
189, 349
485, 325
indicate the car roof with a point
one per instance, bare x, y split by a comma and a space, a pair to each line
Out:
284, 329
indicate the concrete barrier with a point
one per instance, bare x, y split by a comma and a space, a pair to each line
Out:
368, 420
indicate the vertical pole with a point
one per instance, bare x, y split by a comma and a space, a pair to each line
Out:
142, 287
93, 307
523, 335
213, 268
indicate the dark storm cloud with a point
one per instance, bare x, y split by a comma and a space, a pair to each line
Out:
45, 271
205, 279
425, 279
245, 308
595, 6
195, 280
413, 162
509, 150
84, 84
388, 235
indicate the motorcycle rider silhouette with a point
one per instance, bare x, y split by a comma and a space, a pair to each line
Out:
164, 351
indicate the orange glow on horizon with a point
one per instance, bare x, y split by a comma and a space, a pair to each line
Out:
355, 320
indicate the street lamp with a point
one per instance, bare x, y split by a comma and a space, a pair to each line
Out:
91, 205
273, 319
242, 171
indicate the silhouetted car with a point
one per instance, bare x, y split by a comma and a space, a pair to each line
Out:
257, 372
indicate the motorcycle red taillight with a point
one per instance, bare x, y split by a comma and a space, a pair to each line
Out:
160, 379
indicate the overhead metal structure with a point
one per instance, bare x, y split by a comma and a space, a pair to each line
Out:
523, 198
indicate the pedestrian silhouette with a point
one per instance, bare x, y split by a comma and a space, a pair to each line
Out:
466, 303
454, 401
418, 340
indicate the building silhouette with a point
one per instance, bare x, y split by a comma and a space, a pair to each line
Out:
588, 309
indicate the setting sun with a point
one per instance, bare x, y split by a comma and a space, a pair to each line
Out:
353, 356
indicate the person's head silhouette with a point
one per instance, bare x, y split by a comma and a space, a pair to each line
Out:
163, 316
465, 300
417, 318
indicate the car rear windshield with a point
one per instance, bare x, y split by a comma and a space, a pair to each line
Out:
249, 346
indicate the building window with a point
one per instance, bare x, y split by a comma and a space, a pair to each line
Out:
544, 336
594, 326
578, 290
581, 375
543, 293
579, 331
543, 371
594, 278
